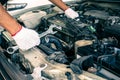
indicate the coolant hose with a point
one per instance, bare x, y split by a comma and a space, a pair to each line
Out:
49, 39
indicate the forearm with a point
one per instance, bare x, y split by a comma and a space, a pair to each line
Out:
8, 22
60, 4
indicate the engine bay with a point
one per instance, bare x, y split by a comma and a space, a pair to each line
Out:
84, 48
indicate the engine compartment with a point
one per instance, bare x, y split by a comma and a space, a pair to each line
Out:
87, 47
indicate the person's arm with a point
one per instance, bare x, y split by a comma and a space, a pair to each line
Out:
68, 11
8, 22
25, 38
60, 4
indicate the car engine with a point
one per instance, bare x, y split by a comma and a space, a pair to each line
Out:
84, 48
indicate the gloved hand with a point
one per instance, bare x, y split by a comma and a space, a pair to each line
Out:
26, 38
71, 13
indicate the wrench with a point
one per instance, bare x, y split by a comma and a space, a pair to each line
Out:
12, 49
49, 31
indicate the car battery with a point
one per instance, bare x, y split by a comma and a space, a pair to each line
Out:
71, 29
64, 33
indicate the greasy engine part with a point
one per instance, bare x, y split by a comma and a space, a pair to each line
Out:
46, 49
104, 52
48, 40
82, 63
82, 43
26, 67
58, 56
7, 40
54, 71
11, 69
17, 58
112, 20
113, 27
23, 64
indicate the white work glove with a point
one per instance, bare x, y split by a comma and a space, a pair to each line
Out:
71, 13
26, 38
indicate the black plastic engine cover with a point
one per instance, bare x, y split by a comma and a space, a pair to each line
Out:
113, 30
